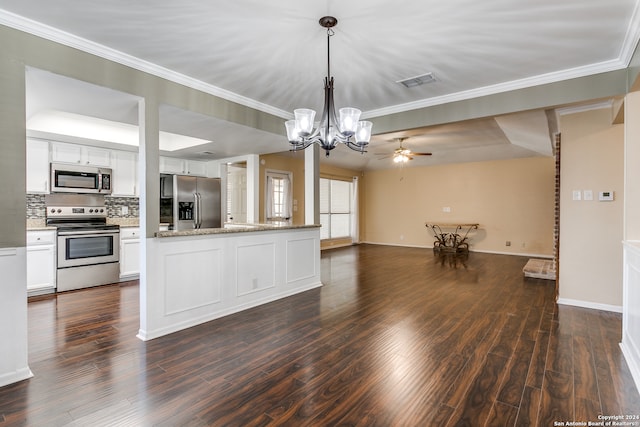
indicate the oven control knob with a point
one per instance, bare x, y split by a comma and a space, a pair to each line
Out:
59, 210
91, 210
53, 211
101, 210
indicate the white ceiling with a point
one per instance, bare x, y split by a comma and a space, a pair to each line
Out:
272, 56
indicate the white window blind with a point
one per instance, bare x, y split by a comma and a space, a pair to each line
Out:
335, 208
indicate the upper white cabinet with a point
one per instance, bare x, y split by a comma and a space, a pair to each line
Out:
174, 166
195, 167
37, 166
124, 165
62, 152
171, 165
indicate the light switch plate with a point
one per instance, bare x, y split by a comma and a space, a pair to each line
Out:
577, 195
588, 194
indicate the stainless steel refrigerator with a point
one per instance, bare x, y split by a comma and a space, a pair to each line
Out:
196, 203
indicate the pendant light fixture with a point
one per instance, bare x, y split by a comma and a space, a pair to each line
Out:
345, 128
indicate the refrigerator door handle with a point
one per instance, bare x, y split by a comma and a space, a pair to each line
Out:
196, 211
199, 210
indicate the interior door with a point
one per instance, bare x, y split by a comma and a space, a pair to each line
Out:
237, 193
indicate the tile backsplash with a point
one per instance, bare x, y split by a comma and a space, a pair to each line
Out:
115, 207
36, 207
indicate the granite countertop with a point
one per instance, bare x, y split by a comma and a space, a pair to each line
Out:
124, 222
37, 224
232, 228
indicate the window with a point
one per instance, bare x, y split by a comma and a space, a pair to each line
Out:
335, 208
278, 200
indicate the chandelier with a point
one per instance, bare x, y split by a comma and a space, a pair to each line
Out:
348, 130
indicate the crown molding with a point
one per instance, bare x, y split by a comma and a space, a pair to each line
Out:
528, 82
53, 34
586, 107
632, 36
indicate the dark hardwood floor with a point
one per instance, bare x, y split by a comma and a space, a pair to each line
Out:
395, 337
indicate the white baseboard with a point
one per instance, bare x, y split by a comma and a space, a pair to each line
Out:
546, 256
632, 357
589, 304
14, 377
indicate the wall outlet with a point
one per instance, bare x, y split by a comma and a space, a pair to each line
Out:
124, 210
446, 209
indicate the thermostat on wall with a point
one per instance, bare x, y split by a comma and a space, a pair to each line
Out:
605, 196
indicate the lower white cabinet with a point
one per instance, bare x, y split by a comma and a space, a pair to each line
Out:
129, 253
41, 261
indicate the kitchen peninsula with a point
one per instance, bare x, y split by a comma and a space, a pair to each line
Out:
200, 275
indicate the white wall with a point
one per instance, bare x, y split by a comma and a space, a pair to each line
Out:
13, 315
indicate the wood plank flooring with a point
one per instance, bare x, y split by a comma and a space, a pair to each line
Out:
395, 337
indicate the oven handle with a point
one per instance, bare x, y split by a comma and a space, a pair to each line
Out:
91, 232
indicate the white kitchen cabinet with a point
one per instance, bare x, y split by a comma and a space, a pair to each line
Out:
174, 166
62, 152
171, 165
129, 253
195, 167
124, 165
37, 166
41, 261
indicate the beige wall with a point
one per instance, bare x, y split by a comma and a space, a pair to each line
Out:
592, 158
294, 163
511, 200
632, 156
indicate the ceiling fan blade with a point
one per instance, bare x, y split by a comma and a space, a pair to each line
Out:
421, 154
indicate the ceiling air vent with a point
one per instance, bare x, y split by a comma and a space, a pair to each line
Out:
417, 80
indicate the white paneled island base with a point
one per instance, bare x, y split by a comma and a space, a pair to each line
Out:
200, 275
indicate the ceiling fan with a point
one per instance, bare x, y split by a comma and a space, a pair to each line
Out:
402, 154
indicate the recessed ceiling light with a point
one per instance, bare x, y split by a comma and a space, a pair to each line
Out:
417, 80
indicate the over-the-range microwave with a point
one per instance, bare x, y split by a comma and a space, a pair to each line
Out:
67, 178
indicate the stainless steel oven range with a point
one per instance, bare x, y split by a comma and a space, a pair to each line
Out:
88, 247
